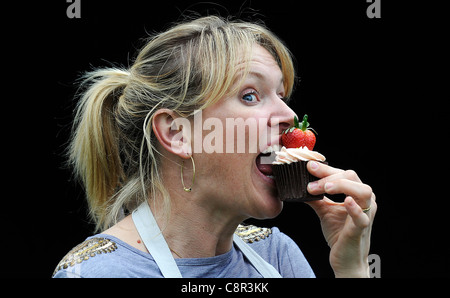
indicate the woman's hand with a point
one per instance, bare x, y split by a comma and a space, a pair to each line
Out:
346, 226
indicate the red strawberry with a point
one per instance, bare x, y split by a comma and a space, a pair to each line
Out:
300, 135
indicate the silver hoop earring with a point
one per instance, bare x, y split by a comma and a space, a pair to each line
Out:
186, 189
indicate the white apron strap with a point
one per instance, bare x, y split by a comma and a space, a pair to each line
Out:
264, 268
154, 241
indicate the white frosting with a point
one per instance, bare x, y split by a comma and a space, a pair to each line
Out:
289, 155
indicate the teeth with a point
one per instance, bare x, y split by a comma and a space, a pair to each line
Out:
272, 148
270, 176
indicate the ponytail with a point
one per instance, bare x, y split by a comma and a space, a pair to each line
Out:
94, 149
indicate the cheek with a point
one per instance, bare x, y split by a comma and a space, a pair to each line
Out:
225, 174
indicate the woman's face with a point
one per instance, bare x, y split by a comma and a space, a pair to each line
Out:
231, 175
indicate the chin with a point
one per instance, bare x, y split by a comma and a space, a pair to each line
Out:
266, 206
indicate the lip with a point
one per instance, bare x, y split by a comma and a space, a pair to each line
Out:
268, 180
271, 147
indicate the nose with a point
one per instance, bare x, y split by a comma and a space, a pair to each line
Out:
282, 116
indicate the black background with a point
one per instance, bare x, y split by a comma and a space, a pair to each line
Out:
374, 90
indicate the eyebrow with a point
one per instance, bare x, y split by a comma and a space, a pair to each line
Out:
261, 76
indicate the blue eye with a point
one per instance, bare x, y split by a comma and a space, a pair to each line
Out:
250, 97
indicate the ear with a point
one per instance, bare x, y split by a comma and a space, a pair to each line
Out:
173, 132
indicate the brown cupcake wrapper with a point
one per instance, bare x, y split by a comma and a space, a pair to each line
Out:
292, 181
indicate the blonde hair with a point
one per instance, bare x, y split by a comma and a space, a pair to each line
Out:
188, 67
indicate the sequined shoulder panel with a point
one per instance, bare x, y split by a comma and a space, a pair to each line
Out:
83, 251
251, 233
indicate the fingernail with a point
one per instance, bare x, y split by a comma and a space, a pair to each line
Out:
314, 165
312, 185
328, 186
350, 201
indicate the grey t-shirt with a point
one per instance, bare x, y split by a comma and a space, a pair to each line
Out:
103, 255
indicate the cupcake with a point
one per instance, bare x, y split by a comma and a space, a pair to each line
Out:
291, 174
289, 168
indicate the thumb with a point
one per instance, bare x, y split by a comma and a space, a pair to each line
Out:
322, 206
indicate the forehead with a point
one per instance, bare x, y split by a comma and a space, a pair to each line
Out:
262, 65
262, 58
260, 54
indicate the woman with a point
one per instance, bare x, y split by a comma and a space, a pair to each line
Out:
166, 151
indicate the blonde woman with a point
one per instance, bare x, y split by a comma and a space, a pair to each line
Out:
166, 152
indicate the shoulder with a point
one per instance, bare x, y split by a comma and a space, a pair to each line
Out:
255, 235
104, 255
276, 248
84, 251
251, 233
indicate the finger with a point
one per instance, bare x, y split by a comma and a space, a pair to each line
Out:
373, 207
317, 187
359, 218
321, 170
361, 193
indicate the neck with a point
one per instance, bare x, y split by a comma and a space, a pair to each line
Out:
195, 231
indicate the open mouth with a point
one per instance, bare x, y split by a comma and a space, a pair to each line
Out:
264, 161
